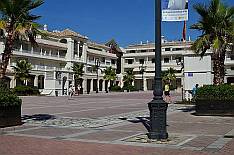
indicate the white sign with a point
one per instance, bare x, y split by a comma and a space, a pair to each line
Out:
175, 10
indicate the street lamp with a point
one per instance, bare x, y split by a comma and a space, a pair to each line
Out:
142, 70
158, 107
97, 65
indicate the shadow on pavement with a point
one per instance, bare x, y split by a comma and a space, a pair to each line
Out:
144, 120
38, 117
187, 109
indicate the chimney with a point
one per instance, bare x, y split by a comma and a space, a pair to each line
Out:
45, 27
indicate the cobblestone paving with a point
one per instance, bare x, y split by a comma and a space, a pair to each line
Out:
95, 123
48, 127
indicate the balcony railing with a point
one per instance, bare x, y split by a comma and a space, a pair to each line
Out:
38, 54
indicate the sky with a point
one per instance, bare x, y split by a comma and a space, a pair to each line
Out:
126, 21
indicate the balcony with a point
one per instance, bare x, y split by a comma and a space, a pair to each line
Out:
101, 53
40, 55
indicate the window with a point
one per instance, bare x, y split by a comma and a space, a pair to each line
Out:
130, 61
141, 61
177, 49
112, 61
166, 60
153, 60
132, 51
178, 59
232, 68
103, 60
143, 51
167, 49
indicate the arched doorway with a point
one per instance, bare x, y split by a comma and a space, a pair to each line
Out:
64, 90
230, 80
88, 85
100, 85
41, 82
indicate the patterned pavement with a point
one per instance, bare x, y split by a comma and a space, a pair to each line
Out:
104, 123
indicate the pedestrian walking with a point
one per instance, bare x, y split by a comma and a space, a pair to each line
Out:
194, 90
78, 90
167, 93
71, 91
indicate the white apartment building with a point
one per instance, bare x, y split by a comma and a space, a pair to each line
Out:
190, 68
140, 55
53, 59
55, 55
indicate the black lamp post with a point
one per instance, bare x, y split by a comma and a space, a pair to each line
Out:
142, 70
158, 107
97, 65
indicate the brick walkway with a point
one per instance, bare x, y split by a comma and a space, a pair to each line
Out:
101, 124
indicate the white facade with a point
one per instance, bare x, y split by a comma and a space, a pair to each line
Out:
55, 55
191, 69
53, 59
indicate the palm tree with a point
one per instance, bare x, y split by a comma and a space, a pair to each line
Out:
78, 70
169, 75
17, 23
110, 74
217, 26
128, 78
22, 70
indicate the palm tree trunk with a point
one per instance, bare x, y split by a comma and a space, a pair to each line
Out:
7, 51
219, 67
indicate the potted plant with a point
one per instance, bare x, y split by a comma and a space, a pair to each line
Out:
10, 108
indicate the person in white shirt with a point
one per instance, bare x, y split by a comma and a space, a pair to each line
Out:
71, 91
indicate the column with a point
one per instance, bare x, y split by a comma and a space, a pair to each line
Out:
84, 85
67, 83
50, 53
103, 85
32, 49
36, 81
145, 84
21, 48
12, 82
91, 85
78, 49
58, 54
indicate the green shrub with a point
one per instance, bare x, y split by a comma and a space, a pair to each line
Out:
26, 90
116, 88
211, 92
129, 88
8, 98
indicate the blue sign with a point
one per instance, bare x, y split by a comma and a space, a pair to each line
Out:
190, 74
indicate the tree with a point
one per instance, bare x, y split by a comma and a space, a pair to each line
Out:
128, 78
17, 23
217, 27
22, 70
110, 74
169, 75
78, 70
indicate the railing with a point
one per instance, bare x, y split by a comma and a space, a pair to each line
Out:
39, 54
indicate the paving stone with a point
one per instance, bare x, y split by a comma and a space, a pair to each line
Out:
106, 135
50, 131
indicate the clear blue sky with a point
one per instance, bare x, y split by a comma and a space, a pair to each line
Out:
127, 21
